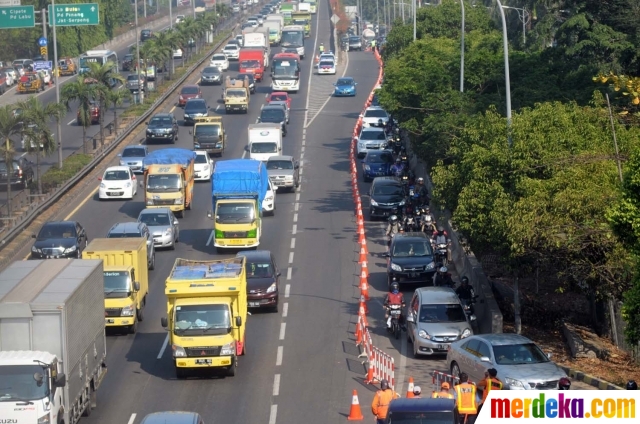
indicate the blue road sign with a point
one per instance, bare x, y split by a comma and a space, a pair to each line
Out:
41, 64
42, 42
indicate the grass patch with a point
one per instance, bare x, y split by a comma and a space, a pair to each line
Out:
70, 167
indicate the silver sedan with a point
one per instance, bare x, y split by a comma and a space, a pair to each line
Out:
163, 225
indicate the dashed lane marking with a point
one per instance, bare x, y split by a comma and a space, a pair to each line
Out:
276, 385
274, 414
290, 258
164, 346
295, 217
283, 329
71, 122
293, 243
294, 229
210, 238
287, 290
279, 356
132, 418
289, 272
285, 309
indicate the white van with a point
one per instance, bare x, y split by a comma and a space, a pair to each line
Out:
265, 140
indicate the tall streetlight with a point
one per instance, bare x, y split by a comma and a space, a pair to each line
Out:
170, 14
415, 12
140, 87
462, 50
525, 18
507, 81
56, 80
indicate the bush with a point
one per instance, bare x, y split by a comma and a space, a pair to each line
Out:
70, 167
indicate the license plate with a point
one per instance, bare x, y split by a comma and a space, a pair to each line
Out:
203, 361
235, 241
442, 347
414, 275
110, 321
254, 304
396, 312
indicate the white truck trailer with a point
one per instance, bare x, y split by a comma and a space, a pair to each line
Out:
52, 340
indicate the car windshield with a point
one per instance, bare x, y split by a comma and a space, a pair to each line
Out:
117, 284
57, 231
264, 148
208, 130
375, 113
202, 320
236, 93
344, 82
326, 63
219, 57
133, 153
272, 115
279, 164
250, 64
230, 47
154, 219
165, 122
19, 385
421, 418
189, 90
195, 106
116, 175
211, 70
259, 270
387, 190
164, 183
375, 157
132, 77
201, 159
519, 354
235, 213
354, 39
247, 76
442, 313
278, 97
124, 235
411, 248
3, 166
372, 135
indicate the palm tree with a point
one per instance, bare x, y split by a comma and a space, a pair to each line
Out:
163, 49
10, 126
105, 75
84, 94
116, 98
37, 116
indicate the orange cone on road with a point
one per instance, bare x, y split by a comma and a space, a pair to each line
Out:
363, 245
360, 222
358, 334
355, 414
365, 269
363, 256
363, 304
410, 388
361, 236
364, 290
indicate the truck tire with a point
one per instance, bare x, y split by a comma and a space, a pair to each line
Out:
181, 373
140, 314
133, 329
152, 265
231, 371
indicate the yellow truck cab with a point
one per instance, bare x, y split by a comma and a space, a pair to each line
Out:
206, 314
126, 279
208, 134
236, 95
168, 179
304, 19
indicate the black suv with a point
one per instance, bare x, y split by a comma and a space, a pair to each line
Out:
127, 62
21, 175
263, 279
410, 259
162, 127
59, 239
145, 34
274, 114
386, 197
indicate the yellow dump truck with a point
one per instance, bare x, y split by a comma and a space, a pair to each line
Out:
208, 134
168, 179
206, 314
126, 279
236, 95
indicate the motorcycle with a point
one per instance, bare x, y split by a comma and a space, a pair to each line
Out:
393, 322
410, 223
442, 252
469, 310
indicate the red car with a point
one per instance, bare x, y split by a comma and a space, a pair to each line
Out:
95, 114
189, 92
280, 96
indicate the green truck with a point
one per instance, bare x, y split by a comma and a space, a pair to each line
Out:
287, 9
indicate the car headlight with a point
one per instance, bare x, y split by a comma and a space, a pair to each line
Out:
288, 178
401, 203
361, 145
122, 163
168, 232
423, 334
374, 203
178, 201
206, 167
44, 419
128, 185
432, 265
70, 249
102, 185
178, 351
514, 384
268, 198
273, 287
186, 115
396, 267
128, 310
367, 168
466, 333
35, 249
228, 349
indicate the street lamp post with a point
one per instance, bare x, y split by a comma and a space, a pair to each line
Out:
525, 17
415, 12
170, 14
462, 50
137, 98
56, 81
507, 81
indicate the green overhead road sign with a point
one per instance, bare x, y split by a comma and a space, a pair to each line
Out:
74, 14
17, 17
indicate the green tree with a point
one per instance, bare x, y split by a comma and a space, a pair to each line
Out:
116, 98
105, 76
84, 94
11, 126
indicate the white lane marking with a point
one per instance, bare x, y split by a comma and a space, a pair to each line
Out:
279, 356
274, 414
283, 329
302, 154
300, 171
304, 141
302, 149
23, 155
287, 290
298, 194
311, 66
290, 257
304, 132
296, 206
164, 346
285, 309
132, 418
210, 238
244, 154
295, 217
293, 243
71, 122
217, 108
276, 385
289, 272
295, 229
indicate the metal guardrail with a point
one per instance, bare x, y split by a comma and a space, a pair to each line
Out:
53, 197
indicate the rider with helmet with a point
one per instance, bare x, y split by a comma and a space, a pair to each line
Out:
442, 277
632, 385
465, 291
564, 384
422, 192
397, 168
393, 227
428, 223
440, 236
394, 297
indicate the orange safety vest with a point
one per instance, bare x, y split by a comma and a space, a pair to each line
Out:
490, 384
442, 395
381, 401
466, 394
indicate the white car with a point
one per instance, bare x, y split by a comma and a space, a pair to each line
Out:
327, 56
253, 22
179, 19
327, 67
371, 138
24, 140
231, 51
235, 8
118, 182
219, 60
12, 77
203, 166
240, 40
372, 115
260, 20
177, 54
269, 202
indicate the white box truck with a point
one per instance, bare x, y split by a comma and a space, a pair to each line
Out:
275, 30
265, 140
52, 340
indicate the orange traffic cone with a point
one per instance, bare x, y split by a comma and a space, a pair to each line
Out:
410, 388
360, 222
365, 269
370, 379
361, 236
363, 245
358, 334
355, 414
363, 256
364, 286
363, 304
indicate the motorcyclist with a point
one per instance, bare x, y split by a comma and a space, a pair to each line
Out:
397, 168
428, 223
380, 123
422, 191
393, 227
440, 236
394, 297
321, 48
442, 278
465, 291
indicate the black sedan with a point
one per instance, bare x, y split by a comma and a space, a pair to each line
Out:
162, 127
59, 239
410, 259
263, 279
386, 197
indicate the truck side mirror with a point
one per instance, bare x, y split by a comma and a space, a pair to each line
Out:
190, 132
246, 148
238, 321
163, 322
210, 214
61, 380
136, 286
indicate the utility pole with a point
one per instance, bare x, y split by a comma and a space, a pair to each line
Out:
415, 12
170, 14
140, 87
56, 82
144, 6
44, 29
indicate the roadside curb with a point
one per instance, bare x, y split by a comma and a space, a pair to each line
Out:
589, 379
